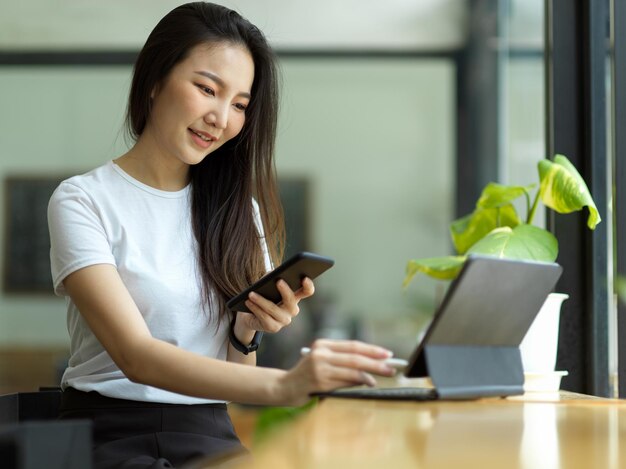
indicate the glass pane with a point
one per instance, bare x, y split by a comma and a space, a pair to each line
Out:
374, 138
522, 97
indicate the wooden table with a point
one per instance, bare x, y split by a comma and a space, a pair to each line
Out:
534, 431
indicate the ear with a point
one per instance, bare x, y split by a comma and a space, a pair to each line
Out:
154, 91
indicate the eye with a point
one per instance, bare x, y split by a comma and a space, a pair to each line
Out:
240, 107
205, 89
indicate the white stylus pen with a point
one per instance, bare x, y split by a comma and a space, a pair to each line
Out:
395, 362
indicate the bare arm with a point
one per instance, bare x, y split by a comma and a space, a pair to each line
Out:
110, 312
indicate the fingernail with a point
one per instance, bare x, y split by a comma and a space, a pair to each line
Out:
389, 371
252, 295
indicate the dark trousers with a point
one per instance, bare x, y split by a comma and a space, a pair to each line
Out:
132, 435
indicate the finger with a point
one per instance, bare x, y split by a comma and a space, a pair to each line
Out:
322, 357
343, 380
271, 321
368, 379
337, 377
289, 300
354, 347
266, 305
361, 363
306, 290
266, 321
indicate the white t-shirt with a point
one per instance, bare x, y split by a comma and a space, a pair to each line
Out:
107, 217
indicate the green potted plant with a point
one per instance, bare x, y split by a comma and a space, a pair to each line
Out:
495, 228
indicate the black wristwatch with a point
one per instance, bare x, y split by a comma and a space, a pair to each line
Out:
245, 349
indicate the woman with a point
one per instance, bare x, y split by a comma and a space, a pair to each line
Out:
149, 247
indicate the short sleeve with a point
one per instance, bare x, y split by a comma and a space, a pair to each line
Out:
77, 235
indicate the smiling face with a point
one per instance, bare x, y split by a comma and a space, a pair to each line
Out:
201, 104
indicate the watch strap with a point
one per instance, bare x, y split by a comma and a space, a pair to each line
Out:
243, 348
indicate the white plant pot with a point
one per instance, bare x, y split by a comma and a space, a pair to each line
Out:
539, 346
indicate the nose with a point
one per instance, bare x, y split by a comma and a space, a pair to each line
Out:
217, 116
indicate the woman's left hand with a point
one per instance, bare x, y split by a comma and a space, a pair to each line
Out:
271, 317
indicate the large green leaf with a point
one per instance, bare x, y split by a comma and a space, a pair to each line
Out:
471, 228
564, 190
522, 242
272, 418
496, 195
442, 268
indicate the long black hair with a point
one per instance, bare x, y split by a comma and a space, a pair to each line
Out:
230, 254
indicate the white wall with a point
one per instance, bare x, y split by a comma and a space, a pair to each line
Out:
53, 121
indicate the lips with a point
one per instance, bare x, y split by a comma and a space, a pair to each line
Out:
202, 139
207, 137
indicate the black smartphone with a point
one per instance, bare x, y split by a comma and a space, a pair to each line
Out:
292, 271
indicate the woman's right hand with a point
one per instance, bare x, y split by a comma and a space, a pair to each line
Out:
333, 364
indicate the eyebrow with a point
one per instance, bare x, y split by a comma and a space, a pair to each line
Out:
220, 82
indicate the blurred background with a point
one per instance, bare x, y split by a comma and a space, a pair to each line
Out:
393, 115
